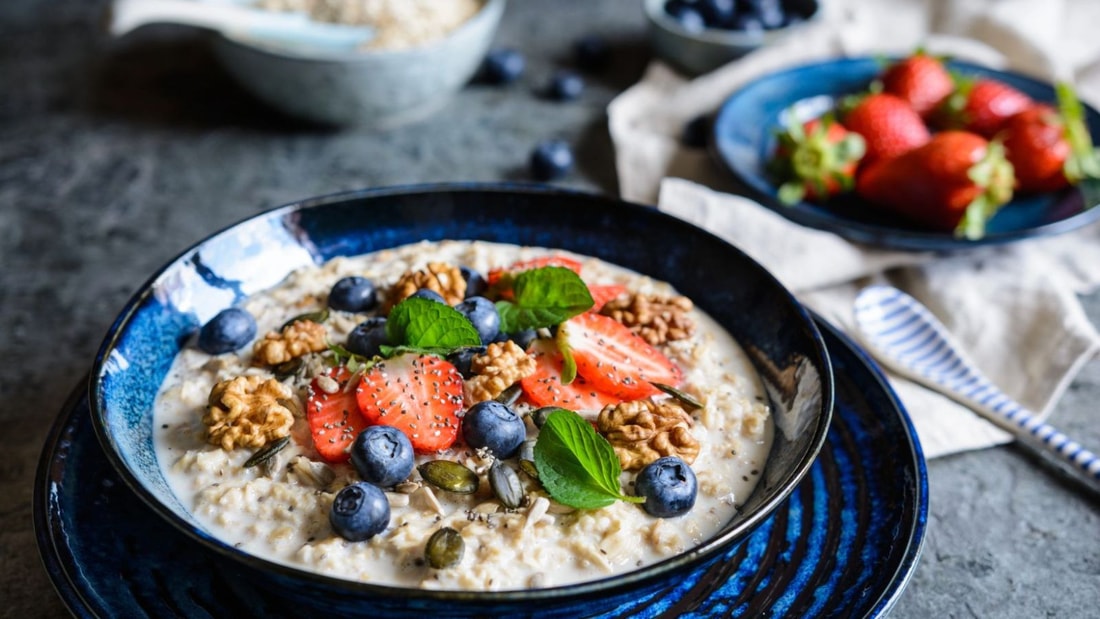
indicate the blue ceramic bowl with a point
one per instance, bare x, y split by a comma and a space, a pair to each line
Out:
257, 253
744, 139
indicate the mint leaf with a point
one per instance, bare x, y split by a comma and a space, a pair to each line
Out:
577, 466
543, 297
417, 324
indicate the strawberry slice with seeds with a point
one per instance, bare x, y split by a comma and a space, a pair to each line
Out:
334, 418
602, 293
614, 360
543, 386
417, 394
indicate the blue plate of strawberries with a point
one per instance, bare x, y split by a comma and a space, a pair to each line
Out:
914, 153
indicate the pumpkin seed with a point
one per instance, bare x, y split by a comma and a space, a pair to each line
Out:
682, 396
287, 368
318, 317
509, 396
540, 414
444, 548
267, 452
506, 484
450, 476
528, 466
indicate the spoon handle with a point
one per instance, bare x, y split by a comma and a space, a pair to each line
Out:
909, 339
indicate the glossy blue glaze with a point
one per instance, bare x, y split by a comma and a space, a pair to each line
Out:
745, 137
777, 333
843, 544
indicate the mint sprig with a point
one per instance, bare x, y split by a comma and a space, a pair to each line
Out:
543, 297
424, 326
577, 466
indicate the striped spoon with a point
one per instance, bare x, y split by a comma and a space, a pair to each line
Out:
910, 340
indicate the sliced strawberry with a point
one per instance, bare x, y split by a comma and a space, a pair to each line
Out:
417, 394
543, 387
614, 360
602, 293
494, 275
334, 419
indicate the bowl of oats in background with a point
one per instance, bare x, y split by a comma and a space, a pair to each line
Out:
423, 51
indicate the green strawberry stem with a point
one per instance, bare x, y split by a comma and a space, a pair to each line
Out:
1083, 161
994, 175
813, 159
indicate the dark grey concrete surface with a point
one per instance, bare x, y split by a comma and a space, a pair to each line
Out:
115, 156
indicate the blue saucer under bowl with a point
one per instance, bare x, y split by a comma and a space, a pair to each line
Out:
778, 334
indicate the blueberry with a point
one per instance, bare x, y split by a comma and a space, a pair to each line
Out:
551, 159
565, 85
352, 294
747, 22
669, 487
502, 66
495, 426
686, 15
461, 358
524, 338
367, 338
591, 53
718, 13
360, 511
382, 455
475, 282
228, 331
429, 294
481, 313
798, 10
696, 132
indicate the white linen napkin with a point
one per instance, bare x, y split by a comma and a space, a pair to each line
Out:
1013, 308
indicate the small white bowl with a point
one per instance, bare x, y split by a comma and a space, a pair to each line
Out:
375, 88
702, 52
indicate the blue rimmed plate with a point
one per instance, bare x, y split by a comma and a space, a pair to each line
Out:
744, 137
845, 542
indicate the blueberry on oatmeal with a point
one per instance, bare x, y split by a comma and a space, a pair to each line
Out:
353, 294
565, 85
482, 314
368, 337
669, 487
429, 294
494, 426
382, 455
475, 282
231, 329
462, 357
359, 512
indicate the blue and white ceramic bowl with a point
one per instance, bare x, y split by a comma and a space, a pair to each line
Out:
773, 328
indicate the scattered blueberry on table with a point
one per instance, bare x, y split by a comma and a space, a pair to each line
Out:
591, 52
502, 66
738, 15
382, 455
551, 159
227, 331
565, 85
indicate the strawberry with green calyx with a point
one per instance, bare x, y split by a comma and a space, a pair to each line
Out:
1051, 148
888, 125
980, 105
815, 160
955, 182
920, 80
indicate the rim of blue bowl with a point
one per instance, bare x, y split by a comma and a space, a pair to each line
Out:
619, 583
490, 10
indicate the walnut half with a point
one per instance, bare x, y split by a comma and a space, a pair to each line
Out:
642, 431
657, 319
247, 411
299, 338
446, 279
502, 364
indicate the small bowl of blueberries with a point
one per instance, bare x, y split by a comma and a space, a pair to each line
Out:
697, 36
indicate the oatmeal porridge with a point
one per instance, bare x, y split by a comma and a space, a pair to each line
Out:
378, 418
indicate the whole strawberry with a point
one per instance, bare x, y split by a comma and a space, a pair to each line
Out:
1051, 148
981, 106
920, 80
956, 182
815, 160
888, 124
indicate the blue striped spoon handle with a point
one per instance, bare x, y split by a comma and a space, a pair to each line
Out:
906, 337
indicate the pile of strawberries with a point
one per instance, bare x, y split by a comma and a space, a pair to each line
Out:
943, 151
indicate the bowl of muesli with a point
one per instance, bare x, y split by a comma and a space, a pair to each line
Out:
462, 399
